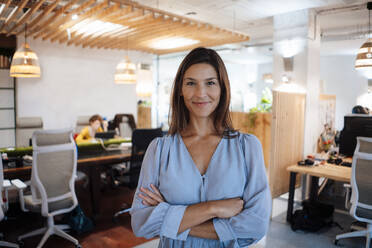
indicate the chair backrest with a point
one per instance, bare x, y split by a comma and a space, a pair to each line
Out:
25, 127
125, 123
361, 180
141, 138
54, 167
82, 121
1, 188
125, 129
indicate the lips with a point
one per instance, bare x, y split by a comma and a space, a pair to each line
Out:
200, 104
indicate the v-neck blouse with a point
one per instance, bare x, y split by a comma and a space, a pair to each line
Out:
185, 150
236, 169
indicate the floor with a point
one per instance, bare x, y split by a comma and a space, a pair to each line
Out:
118, 235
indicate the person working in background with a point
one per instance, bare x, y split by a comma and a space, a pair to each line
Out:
96, 125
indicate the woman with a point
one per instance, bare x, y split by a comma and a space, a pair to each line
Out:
96, 125
204, 184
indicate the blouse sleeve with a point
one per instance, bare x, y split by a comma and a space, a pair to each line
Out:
163, 219
83, 135
252, 223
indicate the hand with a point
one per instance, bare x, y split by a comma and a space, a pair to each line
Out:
227, 208
150, 198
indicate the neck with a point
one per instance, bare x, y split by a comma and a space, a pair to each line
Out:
200, 127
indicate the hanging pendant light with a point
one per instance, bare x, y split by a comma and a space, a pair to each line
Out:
125, 72
363, 62
25, 62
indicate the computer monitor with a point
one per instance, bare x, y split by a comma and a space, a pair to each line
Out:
105, 135
355, 125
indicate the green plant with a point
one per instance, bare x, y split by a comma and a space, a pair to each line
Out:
262, 107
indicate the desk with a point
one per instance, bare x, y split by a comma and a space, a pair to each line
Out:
92, 164
335, 172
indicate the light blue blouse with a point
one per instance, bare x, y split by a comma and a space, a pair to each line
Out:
236, 169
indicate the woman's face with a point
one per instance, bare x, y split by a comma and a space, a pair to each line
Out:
201, 90
95, 125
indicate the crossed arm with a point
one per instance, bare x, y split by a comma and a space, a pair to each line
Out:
198, 216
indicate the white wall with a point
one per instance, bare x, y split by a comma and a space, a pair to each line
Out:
266, 68
341, 79
75, 81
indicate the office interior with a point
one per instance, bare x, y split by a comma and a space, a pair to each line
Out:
292, 69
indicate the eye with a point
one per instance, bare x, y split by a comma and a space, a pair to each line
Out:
190, 83
211, 83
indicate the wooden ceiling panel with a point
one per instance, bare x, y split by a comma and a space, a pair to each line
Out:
110, 24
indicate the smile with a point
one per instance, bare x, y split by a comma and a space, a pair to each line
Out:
200, 104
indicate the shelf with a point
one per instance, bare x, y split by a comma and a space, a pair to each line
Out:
7, 128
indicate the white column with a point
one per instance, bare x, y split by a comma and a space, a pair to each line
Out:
297, 35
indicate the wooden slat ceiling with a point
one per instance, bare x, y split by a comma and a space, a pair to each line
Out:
115, 24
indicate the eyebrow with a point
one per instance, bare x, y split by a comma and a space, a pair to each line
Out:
211, 78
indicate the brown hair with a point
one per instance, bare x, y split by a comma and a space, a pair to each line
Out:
93, 118
179, 115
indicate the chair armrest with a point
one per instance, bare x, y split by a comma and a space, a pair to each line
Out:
20, 186
347, 186
6, 184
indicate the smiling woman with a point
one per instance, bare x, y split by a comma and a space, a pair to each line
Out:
204, 184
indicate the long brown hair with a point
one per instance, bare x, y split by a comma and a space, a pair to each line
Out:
179, 115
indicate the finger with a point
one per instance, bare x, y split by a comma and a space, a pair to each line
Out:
152, 195
157, 192
148, 199
148, 204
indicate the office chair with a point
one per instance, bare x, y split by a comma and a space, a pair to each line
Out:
361, 184
4, 184
125, 124
141, 139
52, 181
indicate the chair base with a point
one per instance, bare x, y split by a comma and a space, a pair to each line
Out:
7, 244
366, 232
50, 230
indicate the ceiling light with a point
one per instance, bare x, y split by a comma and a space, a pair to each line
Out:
290, 47
363, 62
125, 72
89, 27
171, 43
25, 62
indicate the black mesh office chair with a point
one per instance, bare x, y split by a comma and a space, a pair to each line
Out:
141, 138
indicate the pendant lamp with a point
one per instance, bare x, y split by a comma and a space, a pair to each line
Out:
25, 62
363, 62
125, 72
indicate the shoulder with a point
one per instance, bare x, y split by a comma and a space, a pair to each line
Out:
85, 130
249, 142
249, 138
159, 142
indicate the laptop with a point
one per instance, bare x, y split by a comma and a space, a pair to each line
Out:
105, 135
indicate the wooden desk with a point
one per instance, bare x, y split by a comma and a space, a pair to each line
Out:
92, 164
334, 172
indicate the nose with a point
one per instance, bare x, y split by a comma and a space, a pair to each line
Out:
200, 90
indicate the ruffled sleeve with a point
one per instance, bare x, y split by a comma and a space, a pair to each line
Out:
252, 223
164, 219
